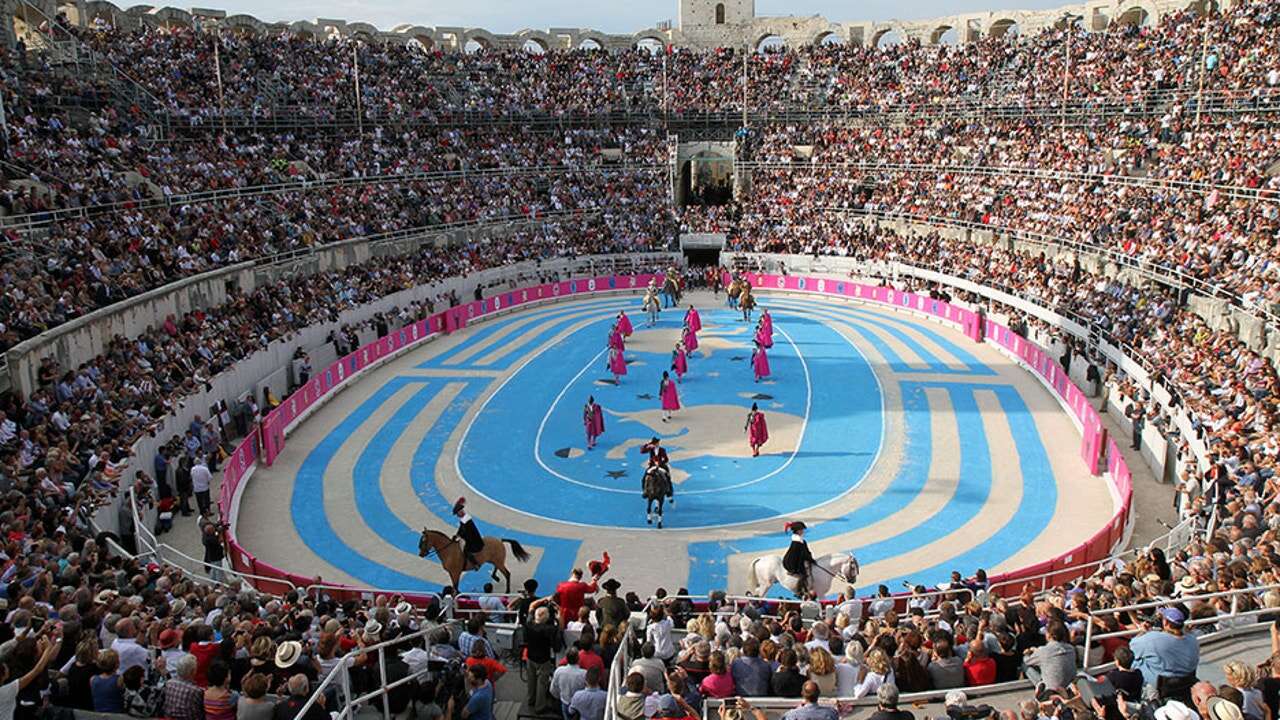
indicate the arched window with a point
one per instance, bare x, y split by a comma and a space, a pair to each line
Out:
719, 13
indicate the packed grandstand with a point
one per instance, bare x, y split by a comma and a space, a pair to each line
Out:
1142, 206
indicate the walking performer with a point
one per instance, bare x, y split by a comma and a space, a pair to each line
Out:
651, 304
468, 533
656, 486
670, 398
759, 362
615, 339
764, 331
735, 289
617, 365
679, 362
593, 421
624, 324
798, 560
693, 319
689, 337
756, 428
747, 302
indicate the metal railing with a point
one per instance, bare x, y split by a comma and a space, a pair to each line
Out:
45, 217
339, 678
1232, 617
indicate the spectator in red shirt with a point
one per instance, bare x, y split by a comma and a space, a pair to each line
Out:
205, 649
479, 657
571, 594
979, 667
587, 657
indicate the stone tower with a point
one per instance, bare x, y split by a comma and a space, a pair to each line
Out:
703, 16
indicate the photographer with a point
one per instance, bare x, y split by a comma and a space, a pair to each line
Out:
214, 541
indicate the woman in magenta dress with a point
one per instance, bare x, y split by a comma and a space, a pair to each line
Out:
617, 364
670, 398
693, 319
689, 337
624, 324
593, 421
679, 362
757, 430
615, 339
760, 362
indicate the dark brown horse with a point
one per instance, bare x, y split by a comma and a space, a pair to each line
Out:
452, 559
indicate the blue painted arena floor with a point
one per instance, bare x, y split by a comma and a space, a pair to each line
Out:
894, 438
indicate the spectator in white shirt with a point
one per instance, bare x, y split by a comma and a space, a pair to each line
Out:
201, 479
126, 646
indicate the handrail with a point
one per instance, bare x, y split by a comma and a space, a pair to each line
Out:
1162, 275
340, 674
1001, 170
1190, 622
45, 217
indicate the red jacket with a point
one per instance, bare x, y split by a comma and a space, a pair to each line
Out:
570, 595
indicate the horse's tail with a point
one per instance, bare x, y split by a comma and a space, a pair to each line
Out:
517, 549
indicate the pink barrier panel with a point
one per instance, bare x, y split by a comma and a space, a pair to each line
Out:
272, 436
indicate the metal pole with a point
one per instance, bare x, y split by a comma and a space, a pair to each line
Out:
746, 58
1066, 73
217, 71
355, 62
1204, 57
382, 671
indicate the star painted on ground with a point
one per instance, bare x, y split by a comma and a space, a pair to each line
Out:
615, 474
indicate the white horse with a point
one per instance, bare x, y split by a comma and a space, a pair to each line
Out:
767, 570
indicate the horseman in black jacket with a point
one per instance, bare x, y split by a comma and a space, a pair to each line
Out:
472, 540
798, 560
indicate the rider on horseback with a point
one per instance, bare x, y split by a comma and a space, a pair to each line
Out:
798, 559
472, 541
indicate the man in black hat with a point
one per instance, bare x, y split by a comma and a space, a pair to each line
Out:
472, 541
612, 609
798, 558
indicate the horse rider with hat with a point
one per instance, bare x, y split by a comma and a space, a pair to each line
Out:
472, 541
798, 560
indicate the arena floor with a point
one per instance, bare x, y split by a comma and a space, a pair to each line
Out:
892, 437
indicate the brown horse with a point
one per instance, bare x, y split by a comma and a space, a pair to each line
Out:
452, 558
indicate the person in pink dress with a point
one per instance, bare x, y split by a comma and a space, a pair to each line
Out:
670, 398
757, 430
617, 364
624, 324
689, 337
679, 361
693, 319
760, 362
615, 339
593, 421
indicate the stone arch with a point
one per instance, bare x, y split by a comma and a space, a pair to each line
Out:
171, 17
1203, 7
305, 30
483, 39
408, 35
1140, 13
941, 34
829, 37
538, 37
247, 25
594, 36
362, 31
887, 35
1002, 27
100, 10
72, 11
645, 37
719, 13
768, 40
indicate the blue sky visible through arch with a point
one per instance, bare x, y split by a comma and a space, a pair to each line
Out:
610, 16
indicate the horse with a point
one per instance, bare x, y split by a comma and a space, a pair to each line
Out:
652, 305
452, 558
656, 486
767, 570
